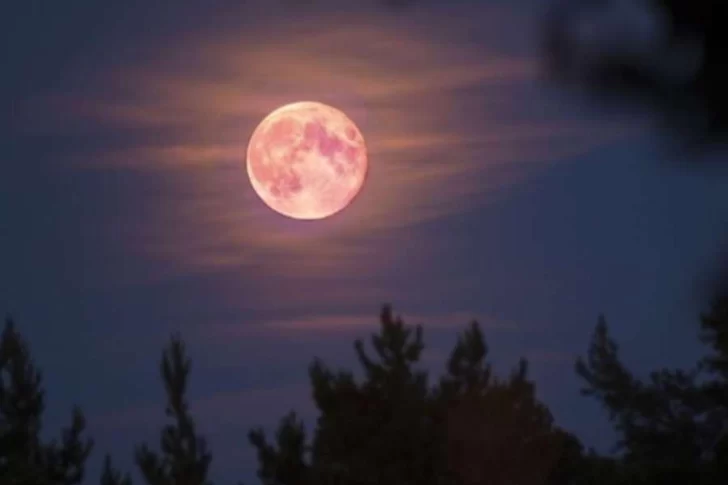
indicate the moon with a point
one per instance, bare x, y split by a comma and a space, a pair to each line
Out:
307, 160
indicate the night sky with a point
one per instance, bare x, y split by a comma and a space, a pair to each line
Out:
126, 212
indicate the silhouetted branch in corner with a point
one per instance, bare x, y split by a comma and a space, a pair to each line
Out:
668, 53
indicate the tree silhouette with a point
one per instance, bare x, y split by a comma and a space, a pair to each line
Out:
714, 332
674, 427
184, 458
470, 428
24, 458
497, 431
111, 476
286, 463
376, 432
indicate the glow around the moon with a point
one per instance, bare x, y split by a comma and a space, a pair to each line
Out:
307, 160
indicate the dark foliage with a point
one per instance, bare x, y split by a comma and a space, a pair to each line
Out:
673, 427
693, 99
111, 476
24, 458
470, 428
184, 458
283, 463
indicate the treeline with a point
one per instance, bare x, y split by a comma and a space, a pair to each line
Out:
395, 427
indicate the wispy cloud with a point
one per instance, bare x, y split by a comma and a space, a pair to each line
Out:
450, 124
361, 324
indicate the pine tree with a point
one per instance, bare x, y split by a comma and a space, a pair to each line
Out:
24, 458
375, 432
286, 463
367, 433
184, 458
111, 476
672, 427
391, 427
498, 432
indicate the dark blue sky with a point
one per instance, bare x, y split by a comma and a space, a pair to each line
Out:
126, 212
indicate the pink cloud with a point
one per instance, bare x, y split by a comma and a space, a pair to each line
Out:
444, 135
348, 324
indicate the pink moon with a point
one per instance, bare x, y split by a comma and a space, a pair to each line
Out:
307, 160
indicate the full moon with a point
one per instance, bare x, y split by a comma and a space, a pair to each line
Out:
307, 160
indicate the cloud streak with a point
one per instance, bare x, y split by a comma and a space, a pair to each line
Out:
357, 323
450, 124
